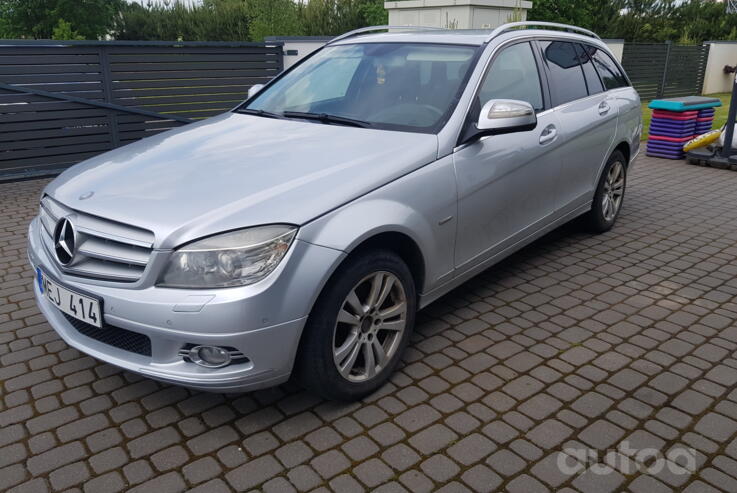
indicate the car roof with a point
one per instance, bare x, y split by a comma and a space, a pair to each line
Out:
474, 37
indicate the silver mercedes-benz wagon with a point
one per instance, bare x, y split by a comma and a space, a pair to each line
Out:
299, 233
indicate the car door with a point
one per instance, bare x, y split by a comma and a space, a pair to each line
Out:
506, 182
587, 116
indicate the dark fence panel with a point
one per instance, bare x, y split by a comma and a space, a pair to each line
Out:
664, 70
62, 103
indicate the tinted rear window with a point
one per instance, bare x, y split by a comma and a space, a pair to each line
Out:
607, 68
567, 82
592, 78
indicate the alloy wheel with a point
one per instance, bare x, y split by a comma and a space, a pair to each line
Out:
369, 327
613, 191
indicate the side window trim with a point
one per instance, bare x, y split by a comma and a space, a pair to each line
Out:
617, 65
490, 63
584, 53
542, 73
596, 69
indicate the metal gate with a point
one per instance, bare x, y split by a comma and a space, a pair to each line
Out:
62, 102
662, 70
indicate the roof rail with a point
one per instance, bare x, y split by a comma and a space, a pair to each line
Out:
509, 26
381, 28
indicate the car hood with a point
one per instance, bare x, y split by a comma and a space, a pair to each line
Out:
234, 171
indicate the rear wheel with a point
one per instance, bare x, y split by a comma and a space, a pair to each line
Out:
359, 327
609, 195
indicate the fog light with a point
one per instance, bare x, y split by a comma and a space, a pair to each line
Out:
210, 356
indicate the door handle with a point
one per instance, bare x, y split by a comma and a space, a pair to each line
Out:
548, 135
604, 108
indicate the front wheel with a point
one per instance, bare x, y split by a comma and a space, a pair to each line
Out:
609, 195
359, 327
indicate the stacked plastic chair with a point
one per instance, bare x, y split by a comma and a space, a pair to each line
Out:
675, 121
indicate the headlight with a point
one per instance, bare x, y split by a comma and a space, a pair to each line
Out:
230, 259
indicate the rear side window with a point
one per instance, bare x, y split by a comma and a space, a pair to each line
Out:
567, 81
607, 68
513, 75
589, 72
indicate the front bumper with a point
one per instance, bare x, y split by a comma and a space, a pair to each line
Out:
264, 321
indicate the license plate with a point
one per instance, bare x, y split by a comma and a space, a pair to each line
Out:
70, 302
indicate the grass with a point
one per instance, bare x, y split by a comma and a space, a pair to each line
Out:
720, 115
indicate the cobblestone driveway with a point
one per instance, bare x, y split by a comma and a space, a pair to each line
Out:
578, 342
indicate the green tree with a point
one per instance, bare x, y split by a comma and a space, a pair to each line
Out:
91, 19
273, 18
64, 31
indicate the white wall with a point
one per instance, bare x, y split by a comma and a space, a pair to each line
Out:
616, 46
457, 14
297, 47
721, 53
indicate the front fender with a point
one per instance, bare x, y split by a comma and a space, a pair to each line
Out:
421, 206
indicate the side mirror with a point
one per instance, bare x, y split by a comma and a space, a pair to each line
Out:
253, 90
501, 116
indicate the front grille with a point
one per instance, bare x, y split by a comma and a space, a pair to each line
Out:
105, 249
127, 340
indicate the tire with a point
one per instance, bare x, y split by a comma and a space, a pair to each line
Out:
609, 196
354, 339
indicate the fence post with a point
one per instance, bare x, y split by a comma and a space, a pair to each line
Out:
107, 90
661, 89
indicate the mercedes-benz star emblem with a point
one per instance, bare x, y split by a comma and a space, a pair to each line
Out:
65, 239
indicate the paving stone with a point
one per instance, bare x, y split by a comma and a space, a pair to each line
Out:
417, 418
471, 449
360, 447
111, 482
506, 462
716, 427
304, 477
440, 468
400, 457
373, 472
548, 470
253, 473
415, 481
596, 481
482, 479
168, 483
330, 463
601, 434
346, 483
540, 406
523, 387
549, 433
201, 470
432, 439
592, 404
293, 454
526, 484
55, 458
387, 433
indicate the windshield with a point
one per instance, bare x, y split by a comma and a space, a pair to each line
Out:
412, 87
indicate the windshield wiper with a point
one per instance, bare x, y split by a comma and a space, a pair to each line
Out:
326, 118
265, 114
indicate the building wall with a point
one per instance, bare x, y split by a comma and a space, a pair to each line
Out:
453, 17
721, 53
298, 47
616, 46
455, 14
